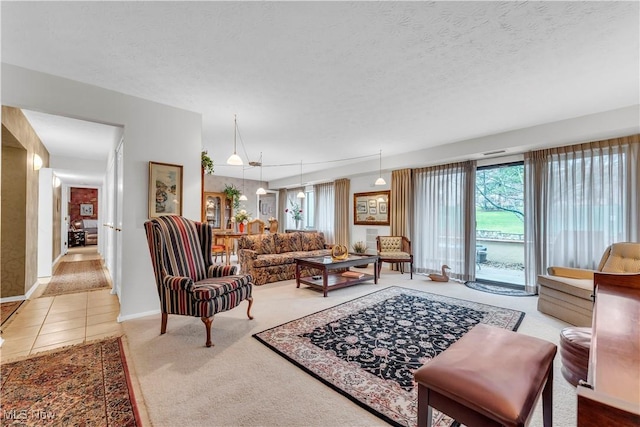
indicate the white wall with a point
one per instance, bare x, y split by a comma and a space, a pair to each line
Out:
152, 131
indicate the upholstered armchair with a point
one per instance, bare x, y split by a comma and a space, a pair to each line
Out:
394, 250
567, 293
189, 284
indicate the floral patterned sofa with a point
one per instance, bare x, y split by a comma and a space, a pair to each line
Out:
270, 257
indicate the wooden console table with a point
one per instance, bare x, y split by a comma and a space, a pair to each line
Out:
611, 396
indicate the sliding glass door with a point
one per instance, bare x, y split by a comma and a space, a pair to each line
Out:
500, 224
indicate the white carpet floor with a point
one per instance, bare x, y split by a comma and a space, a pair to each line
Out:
240, 382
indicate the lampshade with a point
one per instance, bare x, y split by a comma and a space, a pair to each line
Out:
380, 180
260, 191
242, 196
300, 194
37, 162
234, 159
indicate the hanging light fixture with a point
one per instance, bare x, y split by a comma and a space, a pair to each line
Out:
242, 196
260, 191
300, 194
380, 180
234, 159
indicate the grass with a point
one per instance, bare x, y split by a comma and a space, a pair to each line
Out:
505, 222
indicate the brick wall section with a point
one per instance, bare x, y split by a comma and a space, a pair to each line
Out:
82, 196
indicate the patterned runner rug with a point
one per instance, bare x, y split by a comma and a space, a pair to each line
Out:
82, 385
7, 309
77, 276
368, 348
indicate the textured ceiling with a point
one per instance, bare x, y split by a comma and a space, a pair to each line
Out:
325, 80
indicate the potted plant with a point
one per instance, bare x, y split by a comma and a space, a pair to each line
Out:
360, 247
233, 194
207, 163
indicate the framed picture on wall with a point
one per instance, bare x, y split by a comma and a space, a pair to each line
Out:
165, 189
86, 209
371, 208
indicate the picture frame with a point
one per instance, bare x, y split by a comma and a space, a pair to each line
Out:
371, 208
86, 209
165, 189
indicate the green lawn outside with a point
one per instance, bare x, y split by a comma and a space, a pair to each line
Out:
505, 222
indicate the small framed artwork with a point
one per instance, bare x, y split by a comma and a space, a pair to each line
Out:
86, 209
371, 208
165, 189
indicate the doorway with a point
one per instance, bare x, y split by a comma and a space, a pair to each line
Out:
500, 224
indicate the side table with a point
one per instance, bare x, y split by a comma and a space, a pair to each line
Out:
76, 238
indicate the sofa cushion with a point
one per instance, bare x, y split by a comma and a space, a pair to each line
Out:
623, 258
260, 243
582, 288
287, 242
312, 241
268, 260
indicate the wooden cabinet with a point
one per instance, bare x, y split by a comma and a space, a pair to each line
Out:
217, 210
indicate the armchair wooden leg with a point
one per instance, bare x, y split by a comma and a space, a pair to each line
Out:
207, 325
163, 324
250, 299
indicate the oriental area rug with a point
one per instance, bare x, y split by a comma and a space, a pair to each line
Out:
77, 276
82, 385
368, 348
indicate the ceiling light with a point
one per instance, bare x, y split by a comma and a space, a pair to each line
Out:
234, 159
380, 180
242, 196
261, 190
301, 194
37, 162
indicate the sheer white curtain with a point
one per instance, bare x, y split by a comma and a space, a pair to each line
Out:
579, 200
444, 219
325, 210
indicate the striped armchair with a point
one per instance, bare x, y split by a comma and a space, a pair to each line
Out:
188, 282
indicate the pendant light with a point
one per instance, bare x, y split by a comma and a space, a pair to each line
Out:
380, 180
300, 194
242, 196
234, 159
260, 191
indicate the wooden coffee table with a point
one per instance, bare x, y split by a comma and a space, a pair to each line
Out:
331, 276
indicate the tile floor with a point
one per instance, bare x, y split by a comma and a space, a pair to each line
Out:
43, 324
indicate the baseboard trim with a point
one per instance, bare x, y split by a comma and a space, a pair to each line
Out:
122, 318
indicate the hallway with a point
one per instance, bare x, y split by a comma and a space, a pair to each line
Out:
42, 324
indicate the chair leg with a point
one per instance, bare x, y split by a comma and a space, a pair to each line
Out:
250, 299
163, 324
401, 268
379, 267
411, 271
207, 325
547, 400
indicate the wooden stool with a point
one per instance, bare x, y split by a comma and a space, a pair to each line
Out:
575, 344
489, 377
